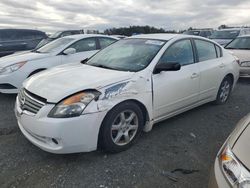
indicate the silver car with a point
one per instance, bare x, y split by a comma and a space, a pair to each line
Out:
232, 164
240, 47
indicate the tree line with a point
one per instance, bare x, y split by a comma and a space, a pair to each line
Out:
133, 30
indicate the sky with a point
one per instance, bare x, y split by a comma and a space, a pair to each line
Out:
54, 15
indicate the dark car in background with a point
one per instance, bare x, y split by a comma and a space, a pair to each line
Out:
14, 40
59, 34
200, 32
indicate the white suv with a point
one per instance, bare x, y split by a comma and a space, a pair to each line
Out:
123, 89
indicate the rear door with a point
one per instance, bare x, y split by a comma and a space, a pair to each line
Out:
85, 48
211, 67
175, 90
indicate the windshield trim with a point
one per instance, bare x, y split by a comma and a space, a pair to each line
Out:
164, 43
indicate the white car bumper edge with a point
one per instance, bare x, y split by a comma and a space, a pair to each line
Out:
13, 79
9, 91
73, 135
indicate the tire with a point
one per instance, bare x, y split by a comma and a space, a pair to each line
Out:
121, 127
224, 91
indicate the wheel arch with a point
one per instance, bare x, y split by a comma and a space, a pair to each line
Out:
230, 76
36, 71
141, 106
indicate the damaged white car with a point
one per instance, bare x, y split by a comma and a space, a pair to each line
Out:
106, 101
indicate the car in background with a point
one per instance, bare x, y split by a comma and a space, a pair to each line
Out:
232, 164
200, 32
240, 47
132, 84
225, 36
58, 35
119, 36
15, 40
14, 69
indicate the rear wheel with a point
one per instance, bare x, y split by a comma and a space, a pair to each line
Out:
121, 127
224, 91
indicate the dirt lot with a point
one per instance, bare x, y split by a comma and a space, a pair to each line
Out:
187, 144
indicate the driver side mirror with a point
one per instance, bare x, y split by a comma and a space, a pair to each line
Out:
69, 51
167, 67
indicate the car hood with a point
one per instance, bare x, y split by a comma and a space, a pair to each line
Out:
240, 141
60, 82
242, 147
222, 42
243, 55
19, 57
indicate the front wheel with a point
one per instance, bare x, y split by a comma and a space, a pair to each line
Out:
224, 91
122, 125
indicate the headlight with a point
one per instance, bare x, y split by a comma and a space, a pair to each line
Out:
74, 105
12, 68
245, 64
235, 172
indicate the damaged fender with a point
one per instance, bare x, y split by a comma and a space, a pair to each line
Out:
138, 89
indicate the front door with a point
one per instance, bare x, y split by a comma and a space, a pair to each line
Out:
175, 90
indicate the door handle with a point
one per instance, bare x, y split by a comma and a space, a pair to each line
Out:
222, 65
194, 75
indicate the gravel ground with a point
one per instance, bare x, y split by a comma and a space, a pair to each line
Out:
186, 144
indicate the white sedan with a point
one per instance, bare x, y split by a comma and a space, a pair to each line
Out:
14, 69
125, 88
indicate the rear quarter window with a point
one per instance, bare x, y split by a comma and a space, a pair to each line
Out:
218, 51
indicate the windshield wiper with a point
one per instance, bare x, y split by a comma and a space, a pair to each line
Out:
102, 66
244, 48
84, 61
238, 48
36, 51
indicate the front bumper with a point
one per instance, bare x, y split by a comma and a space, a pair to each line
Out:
244, 71
217, 179
61, 135
14, 80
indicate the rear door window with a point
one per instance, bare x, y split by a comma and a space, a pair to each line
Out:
205, 50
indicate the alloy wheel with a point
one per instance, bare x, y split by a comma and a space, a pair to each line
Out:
124, 127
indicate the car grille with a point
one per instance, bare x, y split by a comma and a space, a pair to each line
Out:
30, 102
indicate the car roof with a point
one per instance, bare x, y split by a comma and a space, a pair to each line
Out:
231, 29
166, 36
82, 36
243, 36
157, 36
17, 30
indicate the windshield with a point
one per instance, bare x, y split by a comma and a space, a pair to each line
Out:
239, 43
54, 45
230, 34
192, 33
55, 35
127, 54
